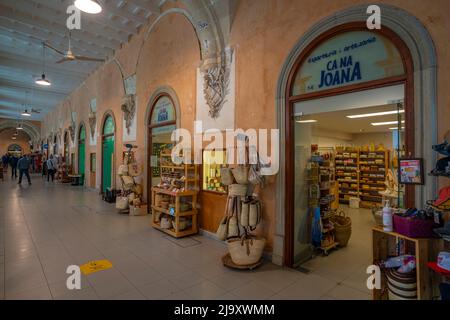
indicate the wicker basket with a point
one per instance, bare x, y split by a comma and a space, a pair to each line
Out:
342, 234
245, 252
343, 228
238, 190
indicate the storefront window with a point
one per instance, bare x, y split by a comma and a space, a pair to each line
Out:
212, 162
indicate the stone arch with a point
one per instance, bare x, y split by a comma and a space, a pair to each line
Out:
423, 53
33, 132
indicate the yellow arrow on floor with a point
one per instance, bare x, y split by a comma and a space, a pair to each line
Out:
95, 266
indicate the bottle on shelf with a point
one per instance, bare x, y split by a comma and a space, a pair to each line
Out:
388, 219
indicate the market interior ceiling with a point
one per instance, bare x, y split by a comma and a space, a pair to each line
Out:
25, 24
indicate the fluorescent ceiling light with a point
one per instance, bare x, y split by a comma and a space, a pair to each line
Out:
375, 114
42, 81
386, 123
306, 121
26, 113
403, 128
88, 6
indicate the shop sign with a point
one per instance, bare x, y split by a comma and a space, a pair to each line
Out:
346, 59
163, 111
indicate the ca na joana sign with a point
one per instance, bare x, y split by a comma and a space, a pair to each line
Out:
349, 58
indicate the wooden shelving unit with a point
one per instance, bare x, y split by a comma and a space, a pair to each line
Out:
373, 167
179, 186
347, 175
361, 174
385, 246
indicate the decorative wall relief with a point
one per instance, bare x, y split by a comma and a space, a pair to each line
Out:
129, 109
216, 85
72, 127
93, 122
216, 94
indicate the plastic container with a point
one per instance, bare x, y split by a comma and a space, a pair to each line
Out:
354, 202
388, 222
414, 228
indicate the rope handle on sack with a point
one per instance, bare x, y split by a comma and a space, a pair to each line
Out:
247, 239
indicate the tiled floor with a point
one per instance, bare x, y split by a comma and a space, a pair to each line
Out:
47, 227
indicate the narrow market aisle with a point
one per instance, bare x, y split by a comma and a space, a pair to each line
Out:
46, 227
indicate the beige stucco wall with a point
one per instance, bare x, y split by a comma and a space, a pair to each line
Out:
263, 33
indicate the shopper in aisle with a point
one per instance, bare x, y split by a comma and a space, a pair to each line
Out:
5, 160
13, 163
52, 166
24, 165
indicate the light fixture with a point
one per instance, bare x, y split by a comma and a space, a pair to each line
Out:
14, 138
386, 123
42, 81
375, 114
396, 128
19, 127
88, 6
26, 113
306, 121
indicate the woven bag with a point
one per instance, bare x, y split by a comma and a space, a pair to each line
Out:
246, 251
226, 176
240, 174
237, 190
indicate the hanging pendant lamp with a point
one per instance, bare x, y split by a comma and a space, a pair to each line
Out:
89, 6
42, 81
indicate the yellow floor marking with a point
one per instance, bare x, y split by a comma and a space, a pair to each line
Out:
95, 266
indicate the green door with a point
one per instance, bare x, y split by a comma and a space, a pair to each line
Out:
82, 154
108, 152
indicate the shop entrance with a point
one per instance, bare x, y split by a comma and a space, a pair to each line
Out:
82, 153
161, 123
350, 118
108, 140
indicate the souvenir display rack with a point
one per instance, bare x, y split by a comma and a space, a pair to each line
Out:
321, 180
175, 198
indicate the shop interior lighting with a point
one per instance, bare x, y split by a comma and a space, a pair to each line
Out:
375, 114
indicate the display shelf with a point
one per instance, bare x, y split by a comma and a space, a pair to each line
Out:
178, 183
385, 243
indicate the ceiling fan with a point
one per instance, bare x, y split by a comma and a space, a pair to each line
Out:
32, 110
69, 56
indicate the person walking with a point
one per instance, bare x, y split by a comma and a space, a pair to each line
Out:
52, 166
24, 168
13, 163
5, 161
44, 166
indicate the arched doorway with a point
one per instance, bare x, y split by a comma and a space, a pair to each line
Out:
162, 122
82, 152
15, 150
108, 141
345, 78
